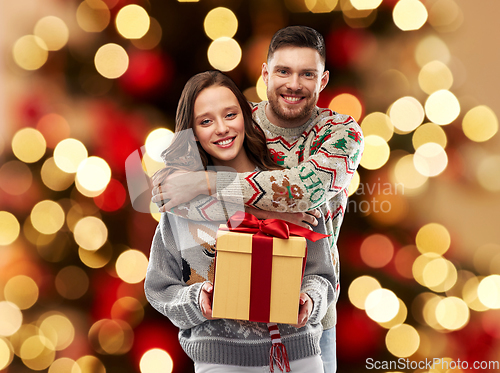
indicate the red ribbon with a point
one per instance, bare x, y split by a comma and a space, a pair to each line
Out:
247, 223
262, 255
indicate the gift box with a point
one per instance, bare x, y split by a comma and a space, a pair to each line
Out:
258, 270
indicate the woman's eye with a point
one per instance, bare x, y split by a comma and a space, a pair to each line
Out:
231, 115
205, 122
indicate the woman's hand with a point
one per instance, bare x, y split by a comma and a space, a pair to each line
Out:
303, 219
305, 309
206, 296
178, 188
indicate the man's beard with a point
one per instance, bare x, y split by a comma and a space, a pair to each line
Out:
286, 114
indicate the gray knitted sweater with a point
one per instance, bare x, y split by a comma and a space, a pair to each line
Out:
182, 259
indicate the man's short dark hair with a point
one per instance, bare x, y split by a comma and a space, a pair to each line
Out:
297, 36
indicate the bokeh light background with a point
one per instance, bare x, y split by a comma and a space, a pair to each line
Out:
84, 84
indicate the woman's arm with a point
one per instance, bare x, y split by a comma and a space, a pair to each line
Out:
164, 288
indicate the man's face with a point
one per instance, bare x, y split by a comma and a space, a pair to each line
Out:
294, 78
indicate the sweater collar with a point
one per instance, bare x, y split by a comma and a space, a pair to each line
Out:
265, 124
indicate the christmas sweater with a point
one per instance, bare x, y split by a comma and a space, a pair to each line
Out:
182, 260
321, 157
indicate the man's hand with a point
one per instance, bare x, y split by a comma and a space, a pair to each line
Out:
303, 219
206, 297
178, 188
305, 309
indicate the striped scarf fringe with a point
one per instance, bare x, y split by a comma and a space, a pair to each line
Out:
277, 354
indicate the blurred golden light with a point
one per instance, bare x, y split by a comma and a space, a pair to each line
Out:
6, 353
79, 211
156, 360
224, 54
261, 89
433, 238
93, 16
72, 282
15, 178
89, 364
152, 38
483, 257
150, 166
378, 124
28, 145
442, 107
64, 365
381, 305
30, 52
403, 260
9, 228
430, 159
68, 155
22, 291
376, 250
355, 18
90, 233
53, 31
54, 129
406, 173
399, 319
157, 141
37, 352
488, 291
366, 4
47, 217
132, 21
488, 173
419, 266
429, 132
402, 340
128, 309
98, 258
360, 288
220, 22
22, 334
115, 337
58, 329
321, 6
445, 15
354, 184
406, 114
431, 48
439, 274
131, 266
52, 248
428, 303
452, 313
409, 15
188, 1
296, 6
54, 178
11, 320
111, 61
480, 124
376, 152
93, 175
435, 76
153, 209
470, 295
347, 103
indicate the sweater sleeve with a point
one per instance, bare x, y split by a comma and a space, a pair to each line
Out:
207, 208
164, 288
319, 280
334, 155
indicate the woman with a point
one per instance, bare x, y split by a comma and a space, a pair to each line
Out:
181, 267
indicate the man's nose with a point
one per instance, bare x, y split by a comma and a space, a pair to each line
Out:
294, 82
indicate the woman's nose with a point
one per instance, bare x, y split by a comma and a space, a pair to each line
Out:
220, 127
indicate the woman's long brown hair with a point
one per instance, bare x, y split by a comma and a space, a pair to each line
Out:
182, 155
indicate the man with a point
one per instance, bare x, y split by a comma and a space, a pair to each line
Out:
320, 149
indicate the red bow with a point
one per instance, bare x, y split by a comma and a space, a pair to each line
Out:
243, 222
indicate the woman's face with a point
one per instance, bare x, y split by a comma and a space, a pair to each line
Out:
219, 126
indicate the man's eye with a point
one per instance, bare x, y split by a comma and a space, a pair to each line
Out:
309, 75
282, 72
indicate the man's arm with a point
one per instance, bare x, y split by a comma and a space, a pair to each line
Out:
306, 186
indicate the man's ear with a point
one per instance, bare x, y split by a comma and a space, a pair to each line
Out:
265, 73
325, 78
